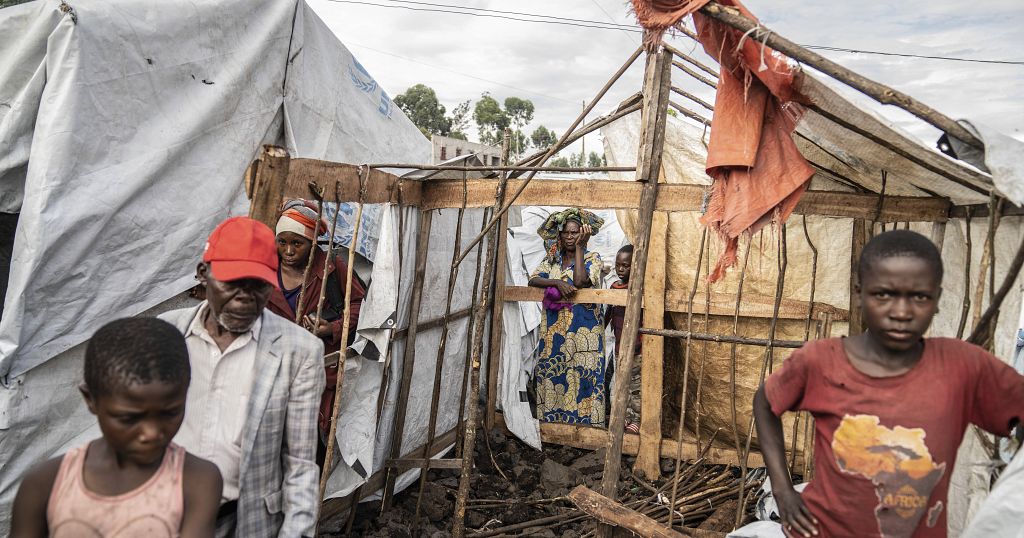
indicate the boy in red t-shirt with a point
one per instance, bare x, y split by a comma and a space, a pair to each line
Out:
890, 406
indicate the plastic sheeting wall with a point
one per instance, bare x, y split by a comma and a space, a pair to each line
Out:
129, 129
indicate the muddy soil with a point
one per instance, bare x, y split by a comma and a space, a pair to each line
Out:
527, 485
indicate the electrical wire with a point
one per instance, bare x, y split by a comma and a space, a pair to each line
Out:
599, 25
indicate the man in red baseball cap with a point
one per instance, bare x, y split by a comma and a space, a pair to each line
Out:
256, 385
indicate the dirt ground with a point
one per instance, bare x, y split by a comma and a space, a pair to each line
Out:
530, 486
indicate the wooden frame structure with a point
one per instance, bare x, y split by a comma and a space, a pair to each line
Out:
276, 176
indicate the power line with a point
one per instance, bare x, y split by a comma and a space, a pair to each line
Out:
583, 23
459, 72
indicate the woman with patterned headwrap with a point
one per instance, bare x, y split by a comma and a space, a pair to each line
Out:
297, 230
569, 377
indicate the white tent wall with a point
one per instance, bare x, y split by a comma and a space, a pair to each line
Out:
130, 127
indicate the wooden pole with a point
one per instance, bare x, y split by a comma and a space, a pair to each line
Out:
300, 306
409, 356
435, 394
879, 92
268, 187
648, 460
345, 327
861, 233
494, 356
551, 151
468, 358
610, 512
980, 329
330, 248
479, 318
657, 81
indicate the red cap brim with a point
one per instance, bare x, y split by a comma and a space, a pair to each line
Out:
226, 271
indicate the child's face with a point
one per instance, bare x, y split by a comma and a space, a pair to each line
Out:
623, 262
899, 297
139, 421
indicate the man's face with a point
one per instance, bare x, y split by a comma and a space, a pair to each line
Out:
899, 297
236, 304
139, 420
623, 262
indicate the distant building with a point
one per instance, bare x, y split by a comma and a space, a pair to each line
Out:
447, 148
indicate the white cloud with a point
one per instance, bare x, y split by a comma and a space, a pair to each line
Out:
557, 67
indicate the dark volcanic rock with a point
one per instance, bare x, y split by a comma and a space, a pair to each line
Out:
557, 479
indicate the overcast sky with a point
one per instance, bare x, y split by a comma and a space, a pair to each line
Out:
560, 66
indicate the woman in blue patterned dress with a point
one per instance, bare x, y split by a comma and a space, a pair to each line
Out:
569, 377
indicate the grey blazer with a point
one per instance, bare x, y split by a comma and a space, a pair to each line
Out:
279, 478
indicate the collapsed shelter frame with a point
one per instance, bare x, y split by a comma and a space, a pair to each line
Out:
276, 176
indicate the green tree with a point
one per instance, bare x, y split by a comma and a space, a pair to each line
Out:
520, 113
542, 138
595, 160
460, 120
491, 120
559, 161
420, 104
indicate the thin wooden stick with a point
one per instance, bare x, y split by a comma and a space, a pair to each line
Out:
984, 270
686, 370
693, 98
328, 458
689, 113
689, 58
879, 92
657, 80
965, 309
457, 168
330, 254
766, 364
704, 346
435, 394
469, 338
732, 351
585, 130
696, 75
479, 318
1012, 271
551, 151
300, 306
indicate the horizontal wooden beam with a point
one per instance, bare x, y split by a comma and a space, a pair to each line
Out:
435, 322
404, 464
722, 304
383, 187
591, 438
613, 513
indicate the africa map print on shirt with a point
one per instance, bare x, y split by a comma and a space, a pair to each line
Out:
899, 465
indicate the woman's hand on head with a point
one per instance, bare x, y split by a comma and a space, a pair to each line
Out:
796, 517
584, 236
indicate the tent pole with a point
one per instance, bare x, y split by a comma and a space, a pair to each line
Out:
657, 81
879, 92
479, 319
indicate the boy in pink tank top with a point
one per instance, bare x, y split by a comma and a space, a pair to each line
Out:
132, 481
890, 406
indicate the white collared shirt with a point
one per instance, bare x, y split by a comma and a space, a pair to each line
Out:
218, 398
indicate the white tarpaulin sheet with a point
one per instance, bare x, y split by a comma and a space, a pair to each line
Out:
126, 128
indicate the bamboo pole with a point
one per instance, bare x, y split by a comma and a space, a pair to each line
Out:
551, 151
879, 92
345, 326
657, 81
409, 356
479, 318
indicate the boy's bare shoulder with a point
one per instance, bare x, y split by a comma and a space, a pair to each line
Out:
44, 473
199, 471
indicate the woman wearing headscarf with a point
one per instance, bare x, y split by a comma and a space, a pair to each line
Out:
297, 230
569, 377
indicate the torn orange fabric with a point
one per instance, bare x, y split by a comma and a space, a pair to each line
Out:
757, 170
657, 16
